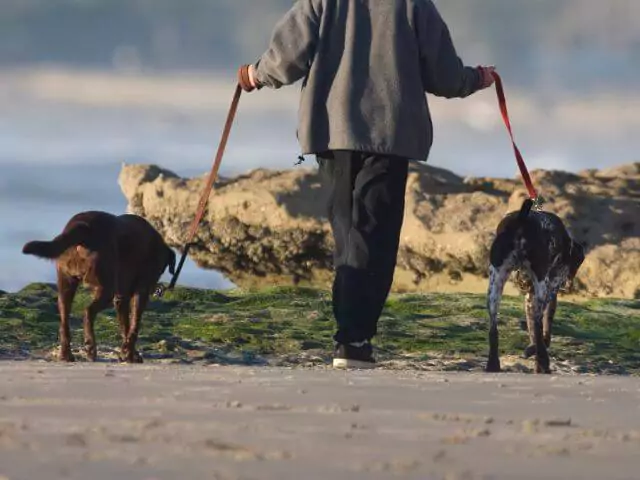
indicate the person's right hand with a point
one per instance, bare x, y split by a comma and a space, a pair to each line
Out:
247, 78
486, 76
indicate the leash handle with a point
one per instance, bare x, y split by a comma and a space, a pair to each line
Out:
502, 102
206, 191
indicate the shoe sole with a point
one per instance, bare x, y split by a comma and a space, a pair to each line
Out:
344, 363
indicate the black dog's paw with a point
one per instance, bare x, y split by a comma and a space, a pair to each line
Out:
541, 369
135, 358
530, 351
493, 366
543, 365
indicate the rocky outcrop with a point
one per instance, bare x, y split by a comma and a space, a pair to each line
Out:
271, 227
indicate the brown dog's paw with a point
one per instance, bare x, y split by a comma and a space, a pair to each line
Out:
127, 356
122, 356
66, 356
91, 353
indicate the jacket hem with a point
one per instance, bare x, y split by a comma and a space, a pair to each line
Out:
368, 148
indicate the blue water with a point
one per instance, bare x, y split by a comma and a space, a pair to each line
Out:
58, 159
35, 203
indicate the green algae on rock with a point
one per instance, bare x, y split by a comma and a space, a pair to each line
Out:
294, 326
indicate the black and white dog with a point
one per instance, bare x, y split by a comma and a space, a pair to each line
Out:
538, 247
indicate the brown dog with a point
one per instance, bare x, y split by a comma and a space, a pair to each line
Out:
121, 258
538, 247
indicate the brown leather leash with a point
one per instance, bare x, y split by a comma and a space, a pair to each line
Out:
204, 197
502, 101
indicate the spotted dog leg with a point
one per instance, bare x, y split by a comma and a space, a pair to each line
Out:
549, 314
529, 303
539, 302
547, 321
497, 279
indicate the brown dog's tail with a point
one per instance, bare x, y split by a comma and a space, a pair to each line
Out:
76, 235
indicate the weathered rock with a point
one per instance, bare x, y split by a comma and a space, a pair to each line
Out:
271, 227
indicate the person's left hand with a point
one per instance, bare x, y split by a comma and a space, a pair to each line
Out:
247, 78
486, 76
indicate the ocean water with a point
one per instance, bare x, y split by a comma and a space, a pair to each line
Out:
62, 145
35, 203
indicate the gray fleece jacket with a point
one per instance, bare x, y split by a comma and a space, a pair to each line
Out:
366, 66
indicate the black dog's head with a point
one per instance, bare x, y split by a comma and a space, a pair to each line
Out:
171, 261
575, 258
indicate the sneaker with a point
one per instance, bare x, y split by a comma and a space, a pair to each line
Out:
354, 355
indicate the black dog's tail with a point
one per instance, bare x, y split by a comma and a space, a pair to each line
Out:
76, 235
505, 241
527, 205
516, 228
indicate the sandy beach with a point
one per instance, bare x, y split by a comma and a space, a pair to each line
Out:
105, 420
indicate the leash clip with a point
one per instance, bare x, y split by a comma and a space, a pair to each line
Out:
538, 202
159, 291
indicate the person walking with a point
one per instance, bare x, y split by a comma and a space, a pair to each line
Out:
366, 66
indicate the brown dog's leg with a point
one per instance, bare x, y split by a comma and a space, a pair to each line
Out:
67, 287
122, 306
101, 300
139, 302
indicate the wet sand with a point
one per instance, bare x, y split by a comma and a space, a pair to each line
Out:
106, 421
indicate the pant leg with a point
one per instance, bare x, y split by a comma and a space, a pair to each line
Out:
366, 213
347, 295
340, 169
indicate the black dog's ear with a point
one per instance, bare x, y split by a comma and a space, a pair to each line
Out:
576, 257
171, 261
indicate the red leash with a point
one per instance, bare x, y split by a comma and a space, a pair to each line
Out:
502, 101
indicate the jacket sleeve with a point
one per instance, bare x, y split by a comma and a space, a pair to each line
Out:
443, 73
293, 45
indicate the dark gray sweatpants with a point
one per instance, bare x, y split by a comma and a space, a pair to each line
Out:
366, 209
